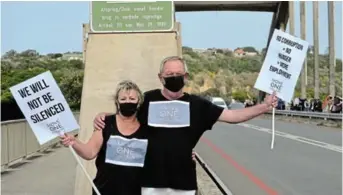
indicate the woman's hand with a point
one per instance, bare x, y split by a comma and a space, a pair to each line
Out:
193, 156
68, 140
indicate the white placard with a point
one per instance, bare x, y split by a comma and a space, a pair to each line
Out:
282, 65
44, 107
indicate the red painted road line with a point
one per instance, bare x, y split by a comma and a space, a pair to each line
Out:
240, 168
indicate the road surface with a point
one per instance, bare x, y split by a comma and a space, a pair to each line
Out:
50, 174
306, 159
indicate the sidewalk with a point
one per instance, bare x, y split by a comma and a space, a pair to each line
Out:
50, 174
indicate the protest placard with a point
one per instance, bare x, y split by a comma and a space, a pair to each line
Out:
282, 65
44, 107
281, 68
46, 110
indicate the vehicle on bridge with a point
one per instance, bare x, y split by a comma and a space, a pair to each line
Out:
236, 105
219, 102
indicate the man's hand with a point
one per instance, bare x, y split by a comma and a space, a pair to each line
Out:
271, 101
98, 122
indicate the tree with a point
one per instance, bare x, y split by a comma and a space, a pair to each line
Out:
240, 96
189, 51
186, 49
77, 64
213, 92
71, 86
29, 53
249, 49
220, 51
55, 55
10, 54
228, 53
338, 65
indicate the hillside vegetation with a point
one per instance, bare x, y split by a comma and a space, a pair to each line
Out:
215, 72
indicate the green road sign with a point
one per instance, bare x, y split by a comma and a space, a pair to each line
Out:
126, 16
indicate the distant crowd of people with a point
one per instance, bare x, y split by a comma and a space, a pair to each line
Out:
330, 104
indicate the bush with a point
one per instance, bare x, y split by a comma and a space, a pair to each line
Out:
240, 96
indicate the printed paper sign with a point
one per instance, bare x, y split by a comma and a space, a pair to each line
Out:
126, 152
282, 65
169, 114
44, 107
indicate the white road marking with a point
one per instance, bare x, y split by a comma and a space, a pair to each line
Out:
296, 138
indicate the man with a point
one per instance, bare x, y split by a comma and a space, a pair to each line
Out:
176, 122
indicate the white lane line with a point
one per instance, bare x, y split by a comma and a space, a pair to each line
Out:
296, 138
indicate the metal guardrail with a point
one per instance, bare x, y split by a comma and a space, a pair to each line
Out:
320, 115
18, 142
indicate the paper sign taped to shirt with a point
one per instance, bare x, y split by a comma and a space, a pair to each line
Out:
169, 114
126, 152
282, 65
44, 107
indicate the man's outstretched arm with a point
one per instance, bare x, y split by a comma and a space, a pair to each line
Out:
245, 114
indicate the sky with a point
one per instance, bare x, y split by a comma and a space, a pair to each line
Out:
56, 27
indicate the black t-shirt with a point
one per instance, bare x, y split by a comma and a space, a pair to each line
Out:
117, 179
168, 162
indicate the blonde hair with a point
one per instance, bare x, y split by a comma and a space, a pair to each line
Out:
127, 85
173, 58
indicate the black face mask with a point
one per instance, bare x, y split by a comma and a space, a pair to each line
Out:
128, 109
174, 83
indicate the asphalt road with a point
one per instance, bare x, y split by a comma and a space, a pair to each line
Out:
306, 159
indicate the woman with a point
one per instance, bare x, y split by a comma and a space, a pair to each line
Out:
119, 148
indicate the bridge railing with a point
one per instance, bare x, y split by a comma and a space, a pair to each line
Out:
319, 115
19, 142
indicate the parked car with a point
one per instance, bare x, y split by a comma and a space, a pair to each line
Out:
236, 105
219, 102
